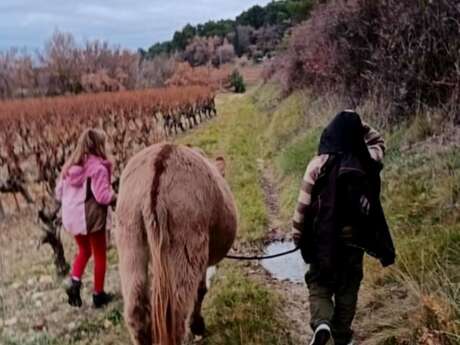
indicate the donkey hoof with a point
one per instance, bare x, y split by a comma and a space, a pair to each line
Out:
198, 327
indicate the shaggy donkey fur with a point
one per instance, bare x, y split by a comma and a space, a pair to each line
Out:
175, 217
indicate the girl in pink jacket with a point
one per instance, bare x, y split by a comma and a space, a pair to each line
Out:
85, 192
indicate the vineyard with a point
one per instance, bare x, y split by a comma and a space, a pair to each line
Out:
37, 135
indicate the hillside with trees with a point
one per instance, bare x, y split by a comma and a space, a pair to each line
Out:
255, 33
65, 66
401, 54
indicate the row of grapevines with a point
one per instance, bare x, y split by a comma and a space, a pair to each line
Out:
37, 136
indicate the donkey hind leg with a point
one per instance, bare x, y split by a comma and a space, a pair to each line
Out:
188, 282
133, 265
197, 325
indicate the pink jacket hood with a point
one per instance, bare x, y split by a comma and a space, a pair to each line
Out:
77, 175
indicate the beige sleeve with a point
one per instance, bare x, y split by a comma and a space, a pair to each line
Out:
304, 199
375, 143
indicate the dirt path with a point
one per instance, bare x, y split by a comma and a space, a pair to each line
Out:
294, 297
270, 192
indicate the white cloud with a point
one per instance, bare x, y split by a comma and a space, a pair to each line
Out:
129, 23
106, 12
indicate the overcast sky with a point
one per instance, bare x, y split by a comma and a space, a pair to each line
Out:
129, 23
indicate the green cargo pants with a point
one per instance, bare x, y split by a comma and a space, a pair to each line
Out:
335, 304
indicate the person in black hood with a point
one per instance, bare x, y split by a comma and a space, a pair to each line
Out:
344, 135
339, 217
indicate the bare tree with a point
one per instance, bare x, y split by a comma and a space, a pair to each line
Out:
62, 60
198, 52
63, 66
7, 60
242, 39
224, 54
155, 72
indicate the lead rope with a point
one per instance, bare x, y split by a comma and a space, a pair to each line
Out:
266, 257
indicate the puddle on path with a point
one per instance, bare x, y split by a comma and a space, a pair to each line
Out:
290, 267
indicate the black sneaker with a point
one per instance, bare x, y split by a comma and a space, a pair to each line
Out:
102, 299
73, 293
322, 335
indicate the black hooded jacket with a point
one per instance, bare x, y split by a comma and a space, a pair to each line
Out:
349, 160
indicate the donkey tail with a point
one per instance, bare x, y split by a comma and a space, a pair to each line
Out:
162, 288
178, 257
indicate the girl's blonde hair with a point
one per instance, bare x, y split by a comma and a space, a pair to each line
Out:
91, 142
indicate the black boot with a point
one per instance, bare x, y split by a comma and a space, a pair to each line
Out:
102, 299
73, 293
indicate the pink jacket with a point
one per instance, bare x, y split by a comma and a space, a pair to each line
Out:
71, 192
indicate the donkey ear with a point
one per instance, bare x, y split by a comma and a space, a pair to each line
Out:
220, 164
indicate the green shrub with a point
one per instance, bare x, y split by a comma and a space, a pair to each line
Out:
237, 82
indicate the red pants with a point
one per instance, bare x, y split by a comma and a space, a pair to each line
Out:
94, 244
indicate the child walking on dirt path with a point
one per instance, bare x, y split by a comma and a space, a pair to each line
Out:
339, 217
85, 192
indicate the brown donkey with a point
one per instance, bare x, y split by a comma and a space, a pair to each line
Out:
175, 217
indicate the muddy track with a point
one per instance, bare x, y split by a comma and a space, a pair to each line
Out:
294, 296
271, 194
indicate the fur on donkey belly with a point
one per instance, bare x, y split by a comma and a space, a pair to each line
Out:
175, 217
